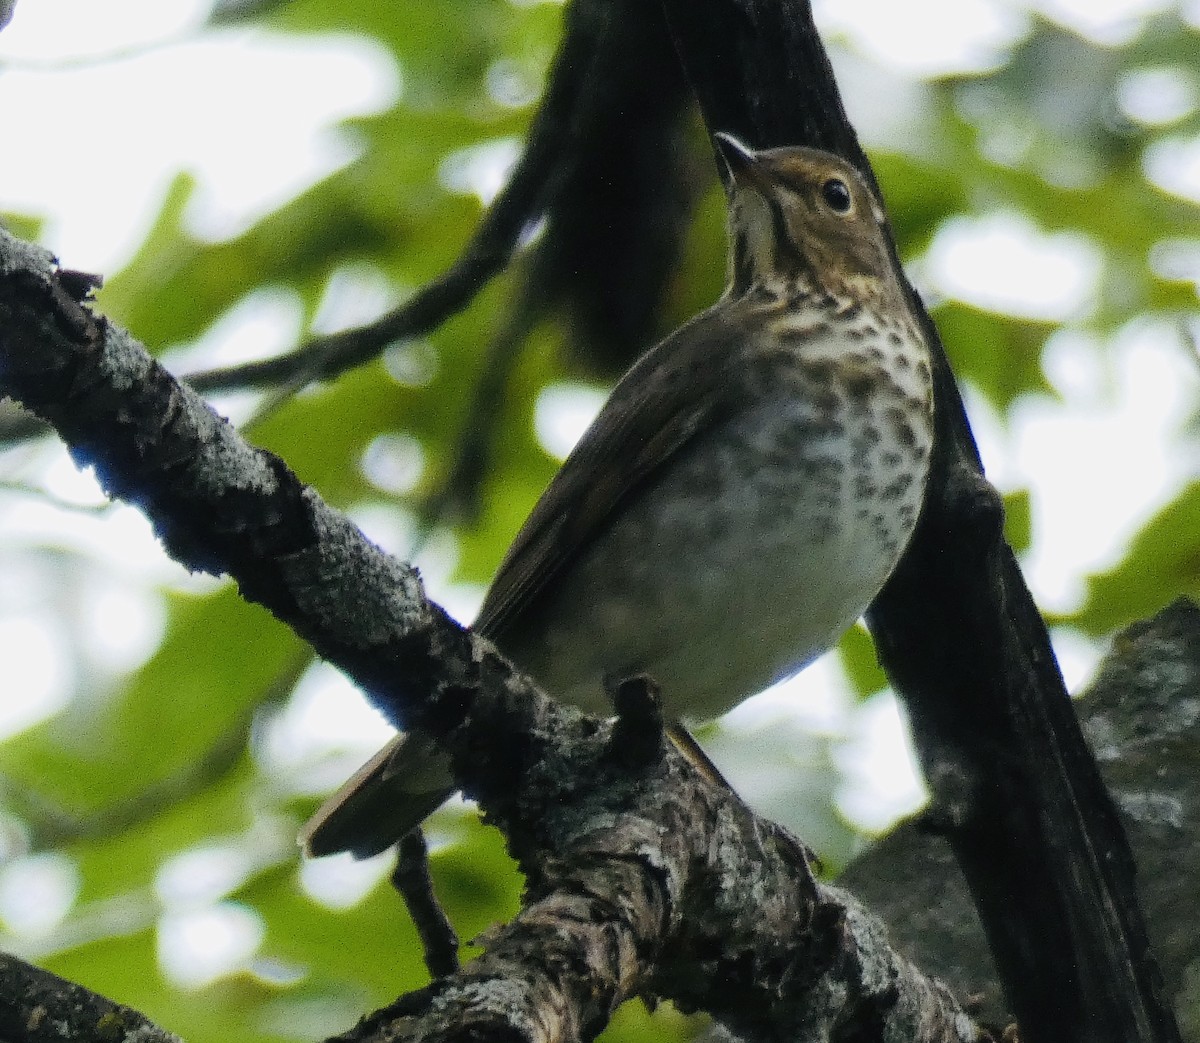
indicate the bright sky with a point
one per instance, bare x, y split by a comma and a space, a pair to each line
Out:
101, 103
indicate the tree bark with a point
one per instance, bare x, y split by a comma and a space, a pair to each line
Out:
1142, 715
39, 1007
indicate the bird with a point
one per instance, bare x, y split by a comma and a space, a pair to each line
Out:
739, 500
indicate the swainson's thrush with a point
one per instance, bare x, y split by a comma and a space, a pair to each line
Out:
742, 496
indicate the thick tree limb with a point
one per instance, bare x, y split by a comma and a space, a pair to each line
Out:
648, 880
1015, 788
1141, 711
39, 1007
1142, 714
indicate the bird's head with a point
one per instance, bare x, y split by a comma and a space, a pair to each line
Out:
803, 217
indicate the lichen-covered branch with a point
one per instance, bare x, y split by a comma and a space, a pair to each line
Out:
39, 1007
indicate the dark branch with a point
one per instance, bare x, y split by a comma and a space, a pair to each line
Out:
1140, 713
38, 1007
412, 880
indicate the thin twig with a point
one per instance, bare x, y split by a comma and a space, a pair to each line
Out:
412, 880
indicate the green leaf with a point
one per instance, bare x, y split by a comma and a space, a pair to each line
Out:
1162, 563
219, 657
23, 226
1018, 520
856, 651
1001, 355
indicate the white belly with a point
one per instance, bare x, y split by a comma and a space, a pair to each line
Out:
742, 563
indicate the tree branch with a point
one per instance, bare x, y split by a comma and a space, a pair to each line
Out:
39, 1007
1141, 714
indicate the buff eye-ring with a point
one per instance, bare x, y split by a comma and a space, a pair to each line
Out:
837, 195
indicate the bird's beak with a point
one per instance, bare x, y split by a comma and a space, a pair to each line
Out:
740, 162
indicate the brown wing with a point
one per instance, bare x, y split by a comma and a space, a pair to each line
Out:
683, 386
380, 802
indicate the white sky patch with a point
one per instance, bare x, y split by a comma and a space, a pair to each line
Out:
198, 946
356, 294
120, 626
1078, 656
326, 714
1174, 164
891, 110
413, 363
1157, 96
1099, 463
392, 528
254, 139
991, 438
74, 30
509, 84
1004, 263
480, 170
882, 780
970, 34
1177, 259
202, 875
562, 413
1105, 21
462, 600
393, 462
120, 537
818, 698
342, 881
37, 892
66, 481
37, 671
264, 323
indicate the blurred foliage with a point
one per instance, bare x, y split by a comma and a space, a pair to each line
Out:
1161, 562
169, 759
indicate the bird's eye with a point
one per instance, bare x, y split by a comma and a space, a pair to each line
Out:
837, 195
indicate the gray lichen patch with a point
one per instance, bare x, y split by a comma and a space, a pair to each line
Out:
17, 255
362, 595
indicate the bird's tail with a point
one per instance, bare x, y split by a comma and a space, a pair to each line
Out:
393, 793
